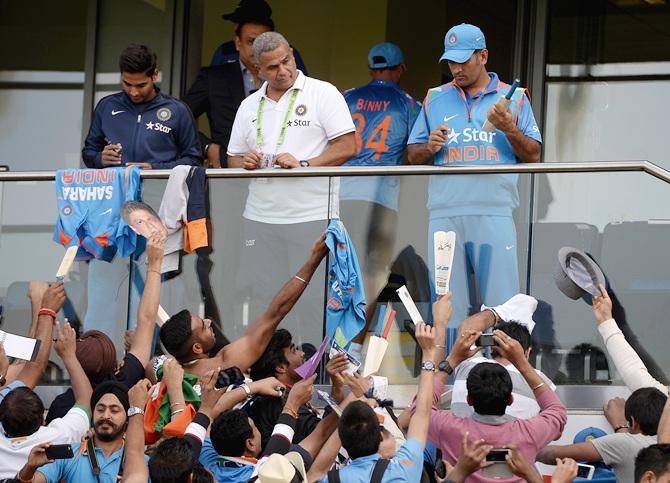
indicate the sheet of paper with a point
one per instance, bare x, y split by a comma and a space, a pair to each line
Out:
444, 244
309, 367
20, 347
409, 304
66, 263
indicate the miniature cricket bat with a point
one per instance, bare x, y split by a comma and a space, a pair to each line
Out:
503, 101
444, 244
375, 355
66, 263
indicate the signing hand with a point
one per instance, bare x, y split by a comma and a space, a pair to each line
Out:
110, 155
438, 137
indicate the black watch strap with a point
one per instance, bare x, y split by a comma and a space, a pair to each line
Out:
444, 366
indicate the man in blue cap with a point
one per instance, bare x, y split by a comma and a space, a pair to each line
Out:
450, 131
384, 115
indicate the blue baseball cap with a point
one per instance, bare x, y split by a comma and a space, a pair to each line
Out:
385, 55
461, 42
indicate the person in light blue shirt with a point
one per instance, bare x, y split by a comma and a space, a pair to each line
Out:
384, 115
361, 433
478, 208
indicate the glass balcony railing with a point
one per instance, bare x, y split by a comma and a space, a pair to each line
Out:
613, 211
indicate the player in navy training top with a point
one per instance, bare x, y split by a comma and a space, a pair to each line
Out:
384, 115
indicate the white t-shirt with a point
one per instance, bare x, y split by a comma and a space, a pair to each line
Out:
318, 115
524, 405
14, 452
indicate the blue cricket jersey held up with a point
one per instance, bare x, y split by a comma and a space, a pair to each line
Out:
345, 310
89, 211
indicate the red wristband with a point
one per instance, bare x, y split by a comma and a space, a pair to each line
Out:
48, 312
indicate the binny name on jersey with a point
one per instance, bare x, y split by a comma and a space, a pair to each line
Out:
89, 193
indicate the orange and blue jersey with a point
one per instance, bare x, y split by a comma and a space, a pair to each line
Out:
384, 115
468, 143
89, 211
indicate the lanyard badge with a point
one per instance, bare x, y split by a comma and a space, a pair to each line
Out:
268, 159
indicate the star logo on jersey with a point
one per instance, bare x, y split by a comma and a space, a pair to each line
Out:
301, 110
157, 126
289, 123
150, 125
453, 136
164, 114
452, 39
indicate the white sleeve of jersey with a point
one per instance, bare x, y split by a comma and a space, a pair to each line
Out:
334, 113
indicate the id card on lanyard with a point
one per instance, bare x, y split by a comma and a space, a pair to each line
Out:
268, 158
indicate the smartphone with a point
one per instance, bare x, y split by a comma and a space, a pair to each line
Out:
498, 455
59, 452
585, 471
231, 376
485, 340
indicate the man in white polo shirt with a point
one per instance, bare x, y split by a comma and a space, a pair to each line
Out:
292, 121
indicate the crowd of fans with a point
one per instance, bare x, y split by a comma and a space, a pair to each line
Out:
186, 416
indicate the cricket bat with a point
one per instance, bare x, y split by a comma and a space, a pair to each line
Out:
503, 101
66, 263
375, 355
444, 244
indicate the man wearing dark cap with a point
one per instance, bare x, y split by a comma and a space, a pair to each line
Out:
104, 450
245, 11
233, 75
450, 130
384, 115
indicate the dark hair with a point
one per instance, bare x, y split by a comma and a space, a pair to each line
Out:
21, 413
489, 388
654, 458
172, 461
273, 356
516, 331
176, 334
230, 431
646, 406
201, 475
359, 430
268, 22
138, 59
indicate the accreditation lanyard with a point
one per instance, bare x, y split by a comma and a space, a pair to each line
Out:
259, 120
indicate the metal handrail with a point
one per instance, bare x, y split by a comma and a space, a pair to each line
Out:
575, 167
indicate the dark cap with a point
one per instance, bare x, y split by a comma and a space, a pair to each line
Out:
577, 273
110, 387
249, 10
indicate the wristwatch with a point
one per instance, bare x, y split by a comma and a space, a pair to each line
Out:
304, 163
428, 366
133, 410
444, 366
